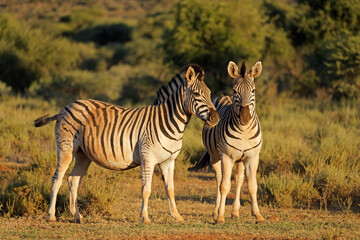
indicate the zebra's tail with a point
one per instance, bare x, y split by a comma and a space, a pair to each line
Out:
41, 121
202, 163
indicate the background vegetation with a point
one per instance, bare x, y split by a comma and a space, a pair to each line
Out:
53, 52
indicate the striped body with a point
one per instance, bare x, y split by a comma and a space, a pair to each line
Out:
235, 140
111, 135
120, 138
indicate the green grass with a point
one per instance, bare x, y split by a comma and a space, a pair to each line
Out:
309, 179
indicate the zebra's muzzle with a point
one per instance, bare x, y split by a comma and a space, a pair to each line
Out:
213, 118
245, 114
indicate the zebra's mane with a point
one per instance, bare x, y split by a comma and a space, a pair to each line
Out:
177, 81
166, 91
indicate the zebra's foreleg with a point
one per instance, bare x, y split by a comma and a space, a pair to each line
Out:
251, 166
147, 170
218, 174
64, 154
239, 179
226, 167
82, 163
167, 170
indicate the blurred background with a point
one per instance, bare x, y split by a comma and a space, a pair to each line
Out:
53, 52
122, 51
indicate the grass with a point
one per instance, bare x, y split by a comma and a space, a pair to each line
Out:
124, 220
309, 179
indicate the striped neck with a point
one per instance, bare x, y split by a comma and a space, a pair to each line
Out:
173, 109
176, 83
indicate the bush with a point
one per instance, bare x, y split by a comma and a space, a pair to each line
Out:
28, 54
205, 33
342, 62
105, 34
78, 84
24, 194
286, 190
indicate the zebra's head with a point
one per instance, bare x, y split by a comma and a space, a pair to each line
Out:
244, 89
198, 96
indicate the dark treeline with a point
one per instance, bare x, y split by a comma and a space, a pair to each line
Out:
122, 51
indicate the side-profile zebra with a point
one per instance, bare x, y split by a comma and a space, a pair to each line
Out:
120, 138
236, 139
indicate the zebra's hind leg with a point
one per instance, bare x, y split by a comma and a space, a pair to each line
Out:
82, 163
167, 170
251, 166
239, 179
65, 156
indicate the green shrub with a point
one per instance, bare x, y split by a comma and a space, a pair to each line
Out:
342, 62
204, 32
286, 190
27, 54
80, 84
96, 197
105, 34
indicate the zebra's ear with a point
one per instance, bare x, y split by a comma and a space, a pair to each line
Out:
256, 70
233, 69
190, 75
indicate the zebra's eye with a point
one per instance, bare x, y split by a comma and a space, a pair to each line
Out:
253, 91
196, 94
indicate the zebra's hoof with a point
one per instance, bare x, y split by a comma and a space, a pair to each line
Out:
146, 221
51, 219
220, 219
260, 220
179, 219
78, 220
235, 215
215, 216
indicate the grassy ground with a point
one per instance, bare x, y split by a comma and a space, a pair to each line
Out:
309, 163
195, 200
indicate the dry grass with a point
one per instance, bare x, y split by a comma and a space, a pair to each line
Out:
195, 198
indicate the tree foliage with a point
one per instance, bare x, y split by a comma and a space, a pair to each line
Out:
27, 54
307, 47
211, 33
325, 34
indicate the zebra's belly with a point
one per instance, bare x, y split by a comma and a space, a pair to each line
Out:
239, 149
114, 155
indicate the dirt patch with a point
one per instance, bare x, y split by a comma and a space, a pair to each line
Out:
4, 168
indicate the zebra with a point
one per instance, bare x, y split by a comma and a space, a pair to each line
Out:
120, 138
235, 140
